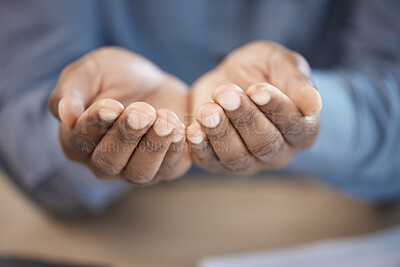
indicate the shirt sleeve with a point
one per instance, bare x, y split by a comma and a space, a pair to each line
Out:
358, 148
38, 38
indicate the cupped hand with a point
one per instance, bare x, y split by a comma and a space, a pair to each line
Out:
254, 111
117, 115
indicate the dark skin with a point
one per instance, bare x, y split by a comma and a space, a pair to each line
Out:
116, 119
254, 111
121, 116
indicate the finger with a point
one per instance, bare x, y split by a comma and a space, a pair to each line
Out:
116, 147
298, 130
223, 137
259, 134
177, 160
79, 142
202, 152
75, 88
149, 154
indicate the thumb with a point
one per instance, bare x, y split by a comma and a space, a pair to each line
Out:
264, 61
291, 73
70, 109
76, 87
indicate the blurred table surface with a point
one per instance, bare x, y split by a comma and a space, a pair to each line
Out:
178, 223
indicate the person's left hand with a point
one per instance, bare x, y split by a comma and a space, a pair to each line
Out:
263, 110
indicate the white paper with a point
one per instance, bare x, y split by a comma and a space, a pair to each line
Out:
376, 250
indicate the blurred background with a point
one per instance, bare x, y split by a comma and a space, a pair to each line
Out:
180, 223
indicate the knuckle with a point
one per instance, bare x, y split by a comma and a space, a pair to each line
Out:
243, 121
126, 137
84, 142
95, 122
293, 130
101, 162
239, 163
154, 146
292, 125
273, 110
269, 147
77, 147
219, 135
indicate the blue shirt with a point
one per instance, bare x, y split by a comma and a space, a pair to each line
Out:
352, 46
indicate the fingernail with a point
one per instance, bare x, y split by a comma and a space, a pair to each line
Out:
261, 98
138, 120
210, 121
66, 106
121, 105
305, 70
229, 100
178, 137
77, 107
162, 127
180, 134
108, 115
196, 139
194, 134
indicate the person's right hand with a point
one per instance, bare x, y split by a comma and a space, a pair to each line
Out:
106, 103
